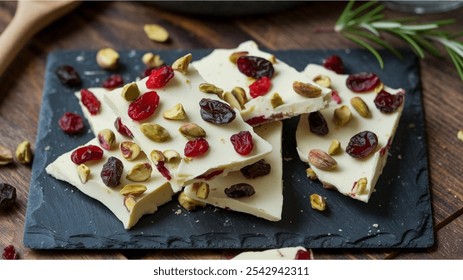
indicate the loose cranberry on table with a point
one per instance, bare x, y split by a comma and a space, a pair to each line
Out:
362, 82
7, 196
68, 76
144, 106
260, 87
71, 123
113, 81
90, 101
159, 77
334, 63
242, 142
9, 253
255, 67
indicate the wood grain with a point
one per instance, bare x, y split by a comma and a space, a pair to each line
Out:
94, 25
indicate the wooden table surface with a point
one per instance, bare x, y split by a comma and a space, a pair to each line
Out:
120, 25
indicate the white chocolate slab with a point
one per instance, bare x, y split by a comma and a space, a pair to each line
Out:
288, 253
184, 89
349, 169
217, 69
267, 202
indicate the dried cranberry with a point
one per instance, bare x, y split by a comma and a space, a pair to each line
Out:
121, 128
317, 123
160, 77
257, 169
71, 123
196, 147
362, 82
260, 87
210, 175
144, 106
334, 63
147, 72
216, 112
90, 101
242, 142
388, 103
335, 96
111, 172
86, 153
160, 166
386, 148
302, 255
255, 67
9, 253
7, 196
240, 190
68, 76
362, 144
113, 81
257, 120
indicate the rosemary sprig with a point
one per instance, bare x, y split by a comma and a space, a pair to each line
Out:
365, 24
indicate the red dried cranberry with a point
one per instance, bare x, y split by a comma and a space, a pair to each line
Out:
242, 142
111, 172
68, 76
71, 123
384, 150
255, 67
7, 196
196, 147
86, 153
334, 63
90, 101
362, 82
302, 255
335, 96
9, 253
147, 72
256, 120
257, 169
159, 77
240, 190
216, 112
163, 170
144, 106
121, 128
210, 175
317, 123
260, 87
362, 144
388, 103
113, 82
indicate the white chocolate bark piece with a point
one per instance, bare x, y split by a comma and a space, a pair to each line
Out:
267, 202
288, 253
221, 156
217, 69
158, 190
349, 170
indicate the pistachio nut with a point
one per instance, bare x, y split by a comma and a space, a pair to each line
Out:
276, 100
133, 189
172, 157
24, 152
107, 58
175, 113
140, 172
234, 56
202, 190
317, 202
192, 131
188, 203
240, 95
231, 99
152, 60
379, 88
156, 32
360, 186
360, 106
6, 156
311, 174
335, 147
129, 202
157, 156
323, 80
84, 173
306, 89
107, 139
130, 91
342, 115
181, 64
321, 160
210, 88
460, 135
272, 59
129, 150
155, 132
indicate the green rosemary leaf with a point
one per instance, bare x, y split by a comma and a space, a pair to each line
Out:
428, 46
360, 9
367, 46
419, 51
346, 14
457, 61
377, 40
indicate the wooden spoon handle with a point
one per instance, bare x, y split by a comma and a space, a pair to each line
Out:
30, 17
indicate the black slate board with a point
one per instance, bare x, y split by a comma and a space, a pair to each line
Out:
398, 215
